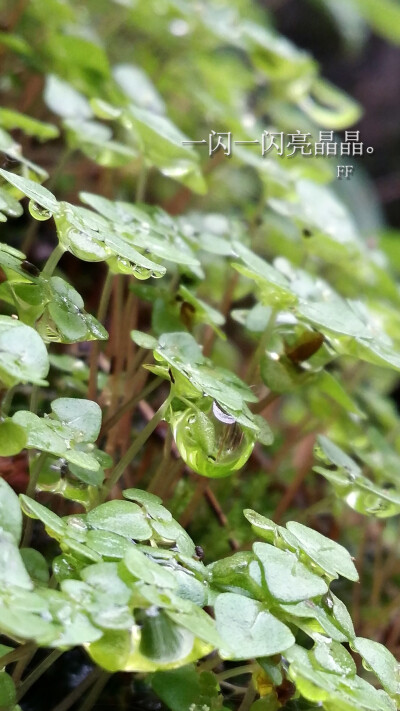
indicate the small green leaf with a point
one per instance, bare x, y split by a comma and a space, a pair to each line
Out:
83, 417
10, 511
333, 657
10, 119
143, 568
144, 340
287, 579
112, 650
33, 190
64, 100
163, 146
8, 696
51, 521
141, 496
108, 545
377, 658
36, 565
329, 555
179, 689
249, 629
12, 569
23, 355
137, 86
121, 517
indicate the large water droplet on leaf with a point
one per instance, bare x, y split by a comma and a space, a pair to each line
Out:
371, 504
38, 212
212, 443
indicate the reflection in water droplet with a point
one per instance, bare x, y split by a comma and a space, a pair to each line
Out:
142, 273
371, 504
221, 415
122, 265
38, 212
209, 445
77, 523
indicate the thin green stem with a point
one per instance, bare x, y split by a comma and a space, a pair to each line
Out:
141, 183
258, 407
105, 296
159, 476
101, 315
76, 693
16, 654
34, 475
37, 673
237, 671
95, 692
53, 260
248, 698
7, 400
264, 340
135, 447
64, 158
129, 405
34, 401
30, 491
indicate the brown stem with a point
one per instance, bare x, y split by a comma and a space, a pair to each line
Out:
111, 421
224, 309
223, 521
260, 406
191, 507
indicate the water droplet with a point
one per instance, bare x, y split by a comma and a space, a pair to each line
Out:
77, 523
221, 415
142, 273
38, 212
210, 445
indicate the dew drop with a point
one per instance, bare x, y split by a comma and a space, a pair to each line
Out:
142, 273
210, 445
38, 212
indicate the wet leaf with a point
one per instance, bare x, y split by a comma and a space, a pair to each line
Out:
23, 355
10, 512
121, 517
329, 555
33, 190
287, 579
248, 629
